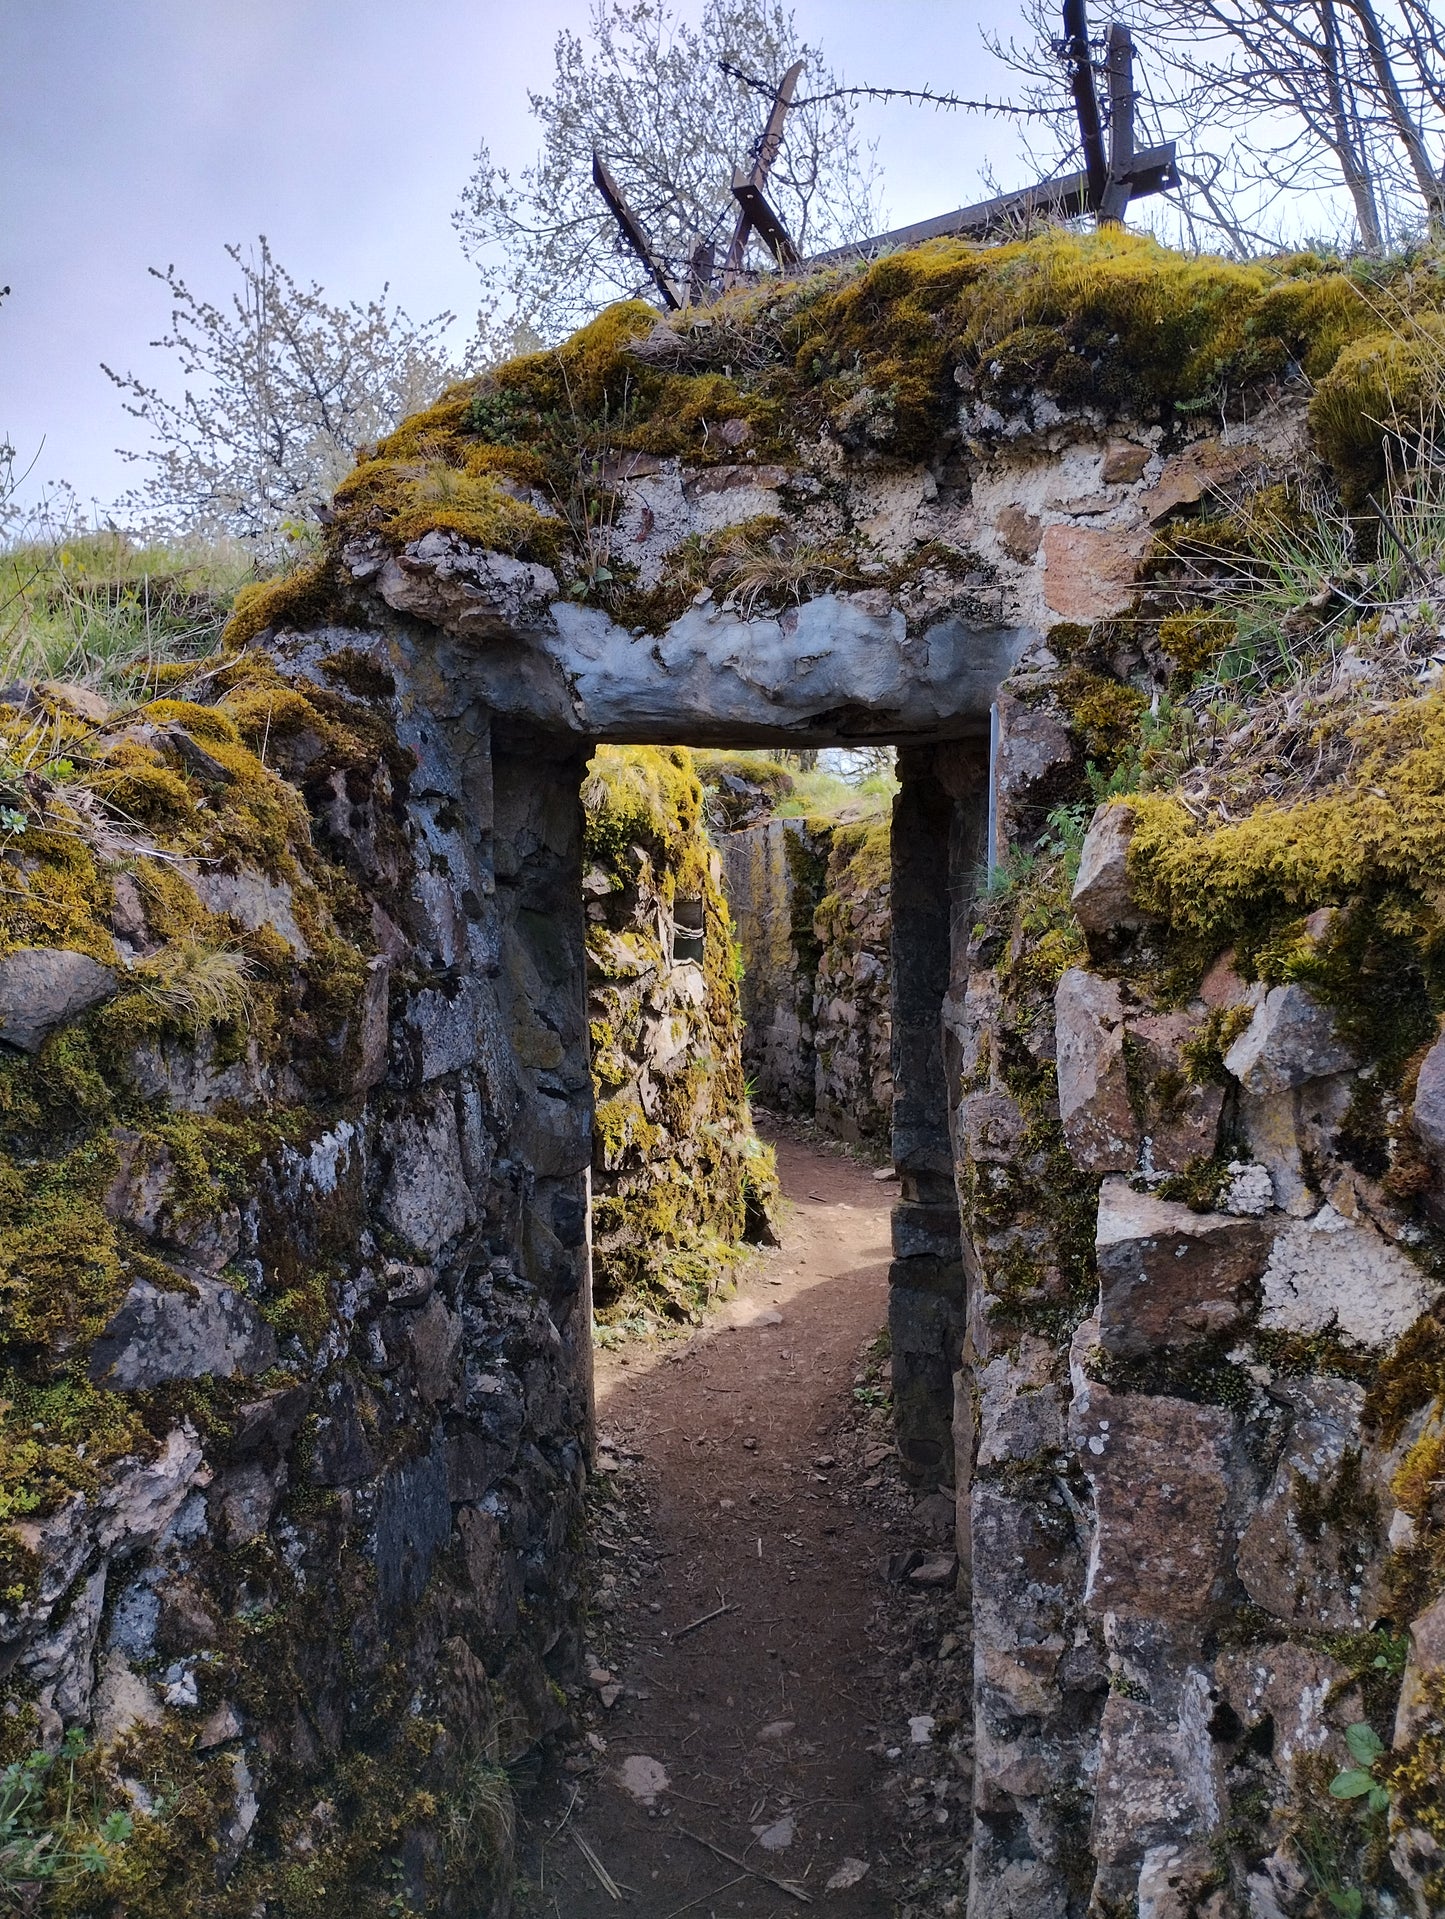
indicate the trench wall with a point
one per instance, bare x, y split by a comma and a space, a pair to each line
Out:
1203, 1251
679, 1178
294, 1140
295, 1107
809, 900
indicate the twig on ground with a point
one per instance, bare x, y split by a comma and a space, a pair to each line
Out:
603, 1876
783, 1885
693, 1624
678, 1910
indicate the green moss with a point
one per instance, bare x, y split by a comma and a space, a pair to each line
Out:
1343, 1503
1032, 1220
1367, 846
306, 597
872, 356
1416, 1777
1194, 641
806, 850
1203, 1052
645, 796
675, 1186
1307, 1355
1200, 1185
1202, 1372
62, 1274
757, 769
1105, 713
1410, 1376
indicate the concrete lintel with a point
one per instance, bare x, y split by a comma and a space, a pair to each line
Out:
824, 673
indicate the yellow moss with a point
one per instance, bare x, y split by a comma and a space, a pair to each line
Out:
1412, 1374
514, 462
138, 783
860, 857
61, 1271
647, 796
1386, 827
1420, 1472
1416, 1776
622, 1129
208, 724
1380, 388
1109, 319
586, 374
760, 769
1315, 313
422, 435
1195, 640
270, 710
297, 599
403, 502
57, 1437
55, 896
1104, 712
871, 354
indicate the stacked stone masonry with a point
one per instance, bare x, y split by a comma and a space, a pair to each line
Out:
317, 1593
679, 1179
809, 900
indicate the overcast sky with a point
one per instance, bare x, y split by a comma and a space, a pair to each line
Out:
134, 133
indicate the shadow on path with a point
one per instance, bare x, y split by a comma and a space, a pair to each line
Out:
735, 1466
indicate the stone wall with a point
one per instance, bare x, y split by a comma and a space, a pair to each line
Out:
773, 879
809, 899
294, 1134
679, 1179
1201, 1378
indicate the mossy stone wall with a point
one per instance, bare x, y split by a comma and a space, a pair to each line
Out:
293, 1274
679, 1178
810, 901
1203, 1232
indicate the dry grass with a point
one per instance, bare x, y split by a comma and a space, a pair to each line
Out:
196, 985
100, 610
761, 565
1335, 619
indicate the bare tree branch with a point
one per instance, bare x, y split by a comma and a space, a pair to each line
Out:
643, 90
1288, 109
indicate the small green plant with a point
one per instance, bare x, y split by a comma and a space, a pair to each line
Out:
1358, 1781
105, 610
27, 775
46, 1837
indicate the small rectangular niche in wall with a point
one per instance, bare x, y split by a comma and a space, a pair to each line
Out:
688, 931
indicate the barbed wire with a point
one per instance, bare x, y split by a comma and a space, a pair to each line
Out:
923, 96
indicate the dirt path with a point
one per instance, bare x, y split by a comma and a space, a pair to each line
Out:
736, 1464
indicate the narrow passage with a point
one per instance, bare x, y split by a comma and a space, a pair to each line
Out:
738, 1462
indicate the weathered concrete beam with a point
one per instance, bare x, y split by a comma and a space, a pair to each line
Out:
824, 673
828, 672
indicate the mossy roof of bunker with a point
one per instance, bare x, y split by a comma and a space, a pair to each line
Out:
876, 357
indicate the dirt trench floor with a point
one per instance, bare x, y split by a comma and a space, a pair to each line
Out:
776, 1681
